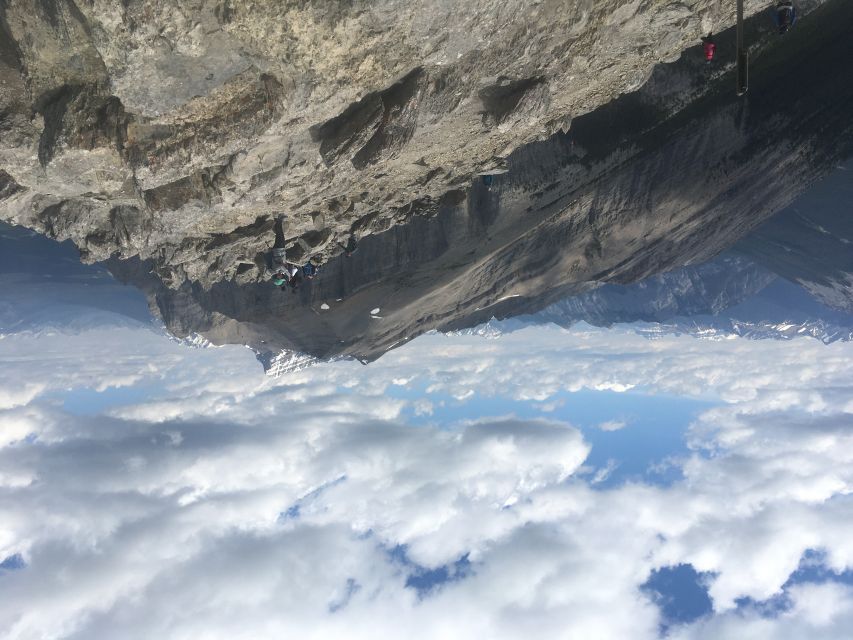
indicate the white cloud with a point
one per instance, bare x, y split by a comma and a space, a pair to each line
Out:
604, 472
423, 407
20, 395
817, 612
165, 514
612, 425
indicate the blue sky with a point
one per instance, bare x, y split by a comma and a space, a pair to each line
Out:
649, 428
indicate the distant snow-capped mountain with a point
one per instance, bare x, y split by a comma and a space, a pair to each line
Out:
725, 298
725, 328
44, 288
811, 241
702, 327
285, 362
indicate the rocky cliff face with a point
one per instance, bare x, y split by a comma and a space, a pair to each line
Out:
155, 127
167, 135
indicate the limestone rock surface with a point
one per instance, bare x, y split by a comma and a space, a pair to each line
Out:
150, 127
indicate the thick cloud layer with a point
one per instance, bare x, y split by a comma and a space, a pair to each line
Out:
220, 503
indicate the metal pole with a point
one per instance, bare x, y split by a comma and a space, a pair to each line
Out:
742, 54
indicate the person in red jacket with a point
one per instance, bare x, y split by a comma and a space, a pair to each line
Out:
709, 47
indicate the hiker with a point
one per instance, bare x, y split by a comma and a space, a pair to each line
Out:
709, 47
295, 281
277, 269
288, 277
350, 248
291, 269
785, 16
309, 270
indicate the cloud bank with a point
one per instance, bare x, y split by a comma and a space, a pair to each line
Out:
225, 504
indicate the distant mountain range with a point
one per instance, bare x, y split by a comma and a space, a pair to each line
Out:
811, 242
45, 287
727, 297
285, 362
705, 289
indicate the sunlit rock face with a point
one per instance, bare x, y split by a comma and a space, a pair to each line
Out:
168, 136
155, 124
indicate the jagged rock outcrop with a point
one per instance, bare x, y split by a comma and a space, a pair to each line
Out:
198, 118
175, 132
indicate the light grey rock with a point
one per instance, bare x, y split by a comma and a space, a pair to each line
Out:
205, 115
